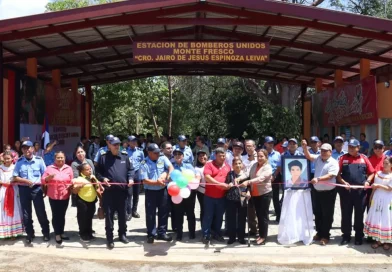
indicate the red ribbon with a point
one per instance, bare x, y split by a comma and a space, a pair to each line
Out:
9, 201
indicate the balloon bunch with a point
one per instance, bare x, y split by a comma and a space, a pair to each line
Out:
181, 185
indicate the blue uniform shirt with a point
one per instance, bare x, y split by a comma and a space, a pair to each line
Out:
137, 156
188, 154
100, 152
336, 155
388, 153
296, 153
30, 169
49, 158
184, 166
274, 160
312, 164
153, 170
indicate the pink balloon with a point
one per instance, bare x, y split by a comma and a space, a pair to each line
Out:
176, 199
194, 184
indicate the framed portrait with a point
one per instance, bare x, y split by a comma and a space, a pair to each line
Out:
295, 173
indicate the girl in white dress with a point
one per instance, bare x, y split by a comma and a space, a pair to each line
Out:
10, 209
378, 224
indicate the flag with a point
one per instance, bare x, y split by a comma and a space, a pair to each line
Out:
45, 133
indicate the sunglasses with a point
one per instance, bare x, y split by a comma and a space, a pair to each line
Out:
377, 147
177, 154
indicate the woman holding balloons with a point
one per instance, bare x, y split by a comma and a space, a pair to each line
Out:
183, 193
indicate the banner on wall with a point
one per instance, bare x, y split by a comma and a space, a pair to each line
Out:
351, 104
61, 108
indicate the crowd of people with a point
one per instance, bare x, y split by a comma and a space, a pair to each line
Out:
238, 182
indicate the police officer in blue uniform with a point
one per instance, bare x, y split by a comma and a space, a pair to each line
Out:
389, 152
229, 154
188, 154
137, 156
104, 149
187, 205
28, 171
153, 172
115, 167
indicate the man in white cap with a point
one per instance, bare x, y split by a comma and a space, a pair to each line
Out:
326, 170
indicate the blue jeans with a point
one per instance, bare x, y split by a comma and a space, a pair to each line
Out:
214, 208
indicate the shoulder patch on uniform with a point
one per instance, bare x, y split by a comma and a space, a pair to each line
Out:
102, 152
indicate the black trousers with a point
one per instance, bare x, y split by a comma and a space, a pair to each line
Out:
324, 207
157, 199
85, 214
200, 198
59, 208
187, 206
236, 219
113, 200
349, 201
275, 196
133, 198
29, 196
262, 204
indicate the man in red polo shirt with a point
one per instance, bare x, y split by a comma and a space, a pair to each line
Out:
215, 173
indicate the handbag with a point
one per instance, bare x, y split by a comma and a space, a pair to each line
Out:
101, 213
234, 193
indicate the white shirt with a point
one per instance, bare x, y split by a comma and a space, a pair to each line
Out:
345, 146
202, 186
247, 163
322, 168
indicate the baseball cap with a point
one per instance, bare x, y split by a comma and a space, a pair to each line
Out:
178, 150
314, 139
109, 137
115, 140
153, 148
238, 144
221, 141
181, 138
27, 143
200, 151
132, 138
285, 144
268, 139
326, 147
353, 142
293, 140
338, 138
378, 142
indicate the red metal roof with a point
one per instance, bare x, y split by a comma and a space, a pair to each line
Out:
94, 44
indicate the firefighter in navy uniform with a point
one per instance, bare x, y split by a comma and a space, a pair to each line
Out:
354, 169
115, 167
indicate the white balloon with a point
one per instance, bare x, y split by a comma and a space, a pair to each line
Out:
185, 192
194, 184
176, 199
171, 184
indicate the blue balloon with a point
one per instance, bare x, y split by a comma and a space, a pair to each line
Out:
176, 175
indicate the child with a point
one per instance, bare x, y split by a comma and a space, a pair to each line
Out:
10, 209
378, 224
